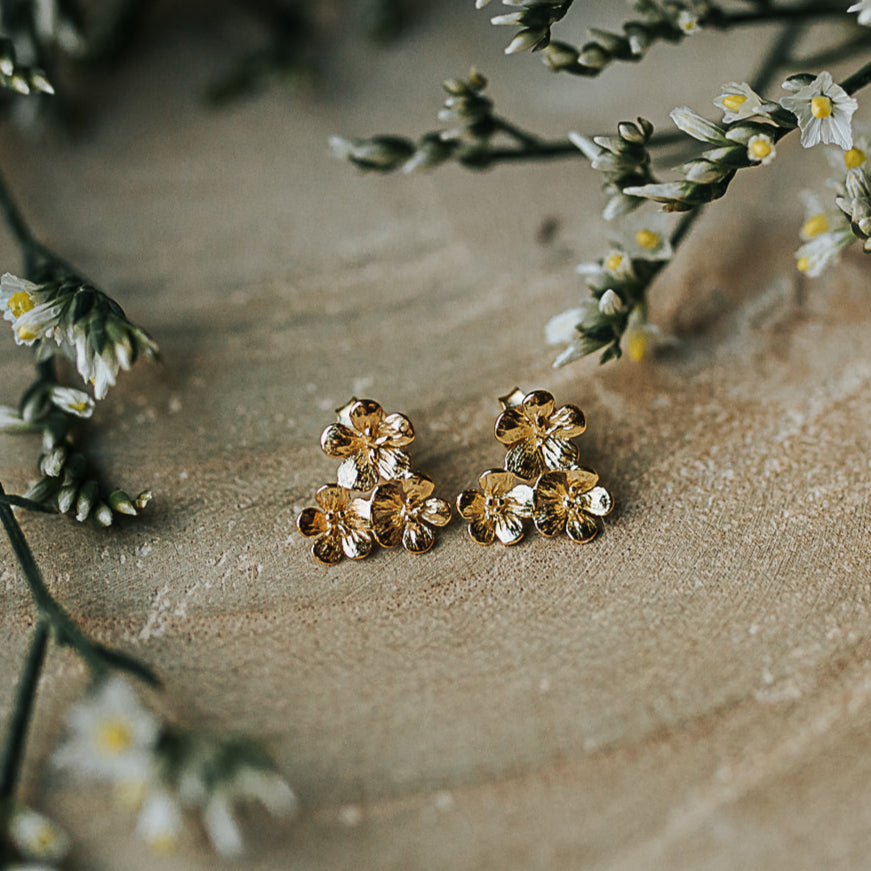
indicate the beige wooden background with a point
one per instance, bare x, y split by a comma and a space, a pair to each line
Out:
691, 691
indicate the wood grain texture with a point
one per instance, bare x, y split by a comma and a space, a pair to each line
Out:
693, 690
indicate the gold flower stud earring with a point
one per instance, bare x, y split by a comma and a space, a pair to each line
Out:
557, 494
401, 508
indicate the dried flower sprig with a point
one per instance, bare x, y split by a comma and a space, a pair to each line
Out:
18, 77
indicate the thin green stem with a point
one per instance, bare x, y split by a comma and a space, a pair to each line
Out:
773, 13
97, 656
22, 709
29, 504
859, 79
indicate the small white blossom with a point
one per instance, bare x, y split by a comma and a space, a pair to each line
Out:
863, 7
638, 335
560, 329
819, 216
815, 256
645, 236
823, 110
111, 737
72, 401
688, 22
698, 127
36, 837
760, 149
739, 101
160, 821
841, 161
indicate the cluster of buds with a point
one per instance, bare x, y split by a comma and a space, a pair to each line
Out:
534, 17
623, 160
18, 77
466, 106
662, 21
614, 317
70, 317
856, 204
162, 771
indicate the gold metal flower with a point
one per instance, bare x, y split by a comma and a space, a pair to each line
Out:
538, 437
570, 500
402, 509
342, 524
499, 510
369, 442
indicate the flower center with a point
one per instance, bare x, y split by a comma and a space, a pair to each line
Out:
27, 335
19, 303
821, 107
114, 736
494, 506
853, 158
802, 264
760, 147
733, 102
636, 345
815, 225
614, 261
647, 239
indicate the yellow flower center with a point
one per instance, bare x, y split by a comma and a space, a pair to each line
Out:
802, 264
614, 261
854, 157
761, 148
26, 335
636, 345
44, 840
815, 225
821, 107
79, 406
114, 736
130, 793
647, 239
733, 102
19, 303
162, 844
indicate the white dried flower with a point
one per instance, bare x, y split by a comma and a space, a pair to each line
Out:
815, 256
111, 737
760, 149
698, 127
824, 111
36, 837
819, 216
610, 303
645, 236
561, 328
72, 401
739, 101
638, 335
863, 7
160, 821
688, 22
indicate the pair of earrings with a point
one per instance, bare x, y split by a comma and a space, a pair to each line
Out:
541, 481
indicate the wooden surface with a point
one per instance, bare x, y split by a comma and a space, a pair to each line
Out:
692, 690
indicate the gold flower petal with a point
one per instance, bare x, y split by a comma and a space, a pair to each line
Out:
559, 453
581, 527
580, 480
523, 460
482, 530
417, 538
549, 522
392, 462
598, 501
513, 399
417, 488
311, 522
550, 489
359, 513
328, 549
339, 441
357, 473
397, 429
386, 506
366, 415
538, 404
569, 420
519, 500
509, 529
436, 511
332, 497
497, 482
357, 543
512, 426
470, 504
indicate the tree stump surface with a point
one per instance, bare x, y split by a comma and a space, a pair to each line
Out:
691, 690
